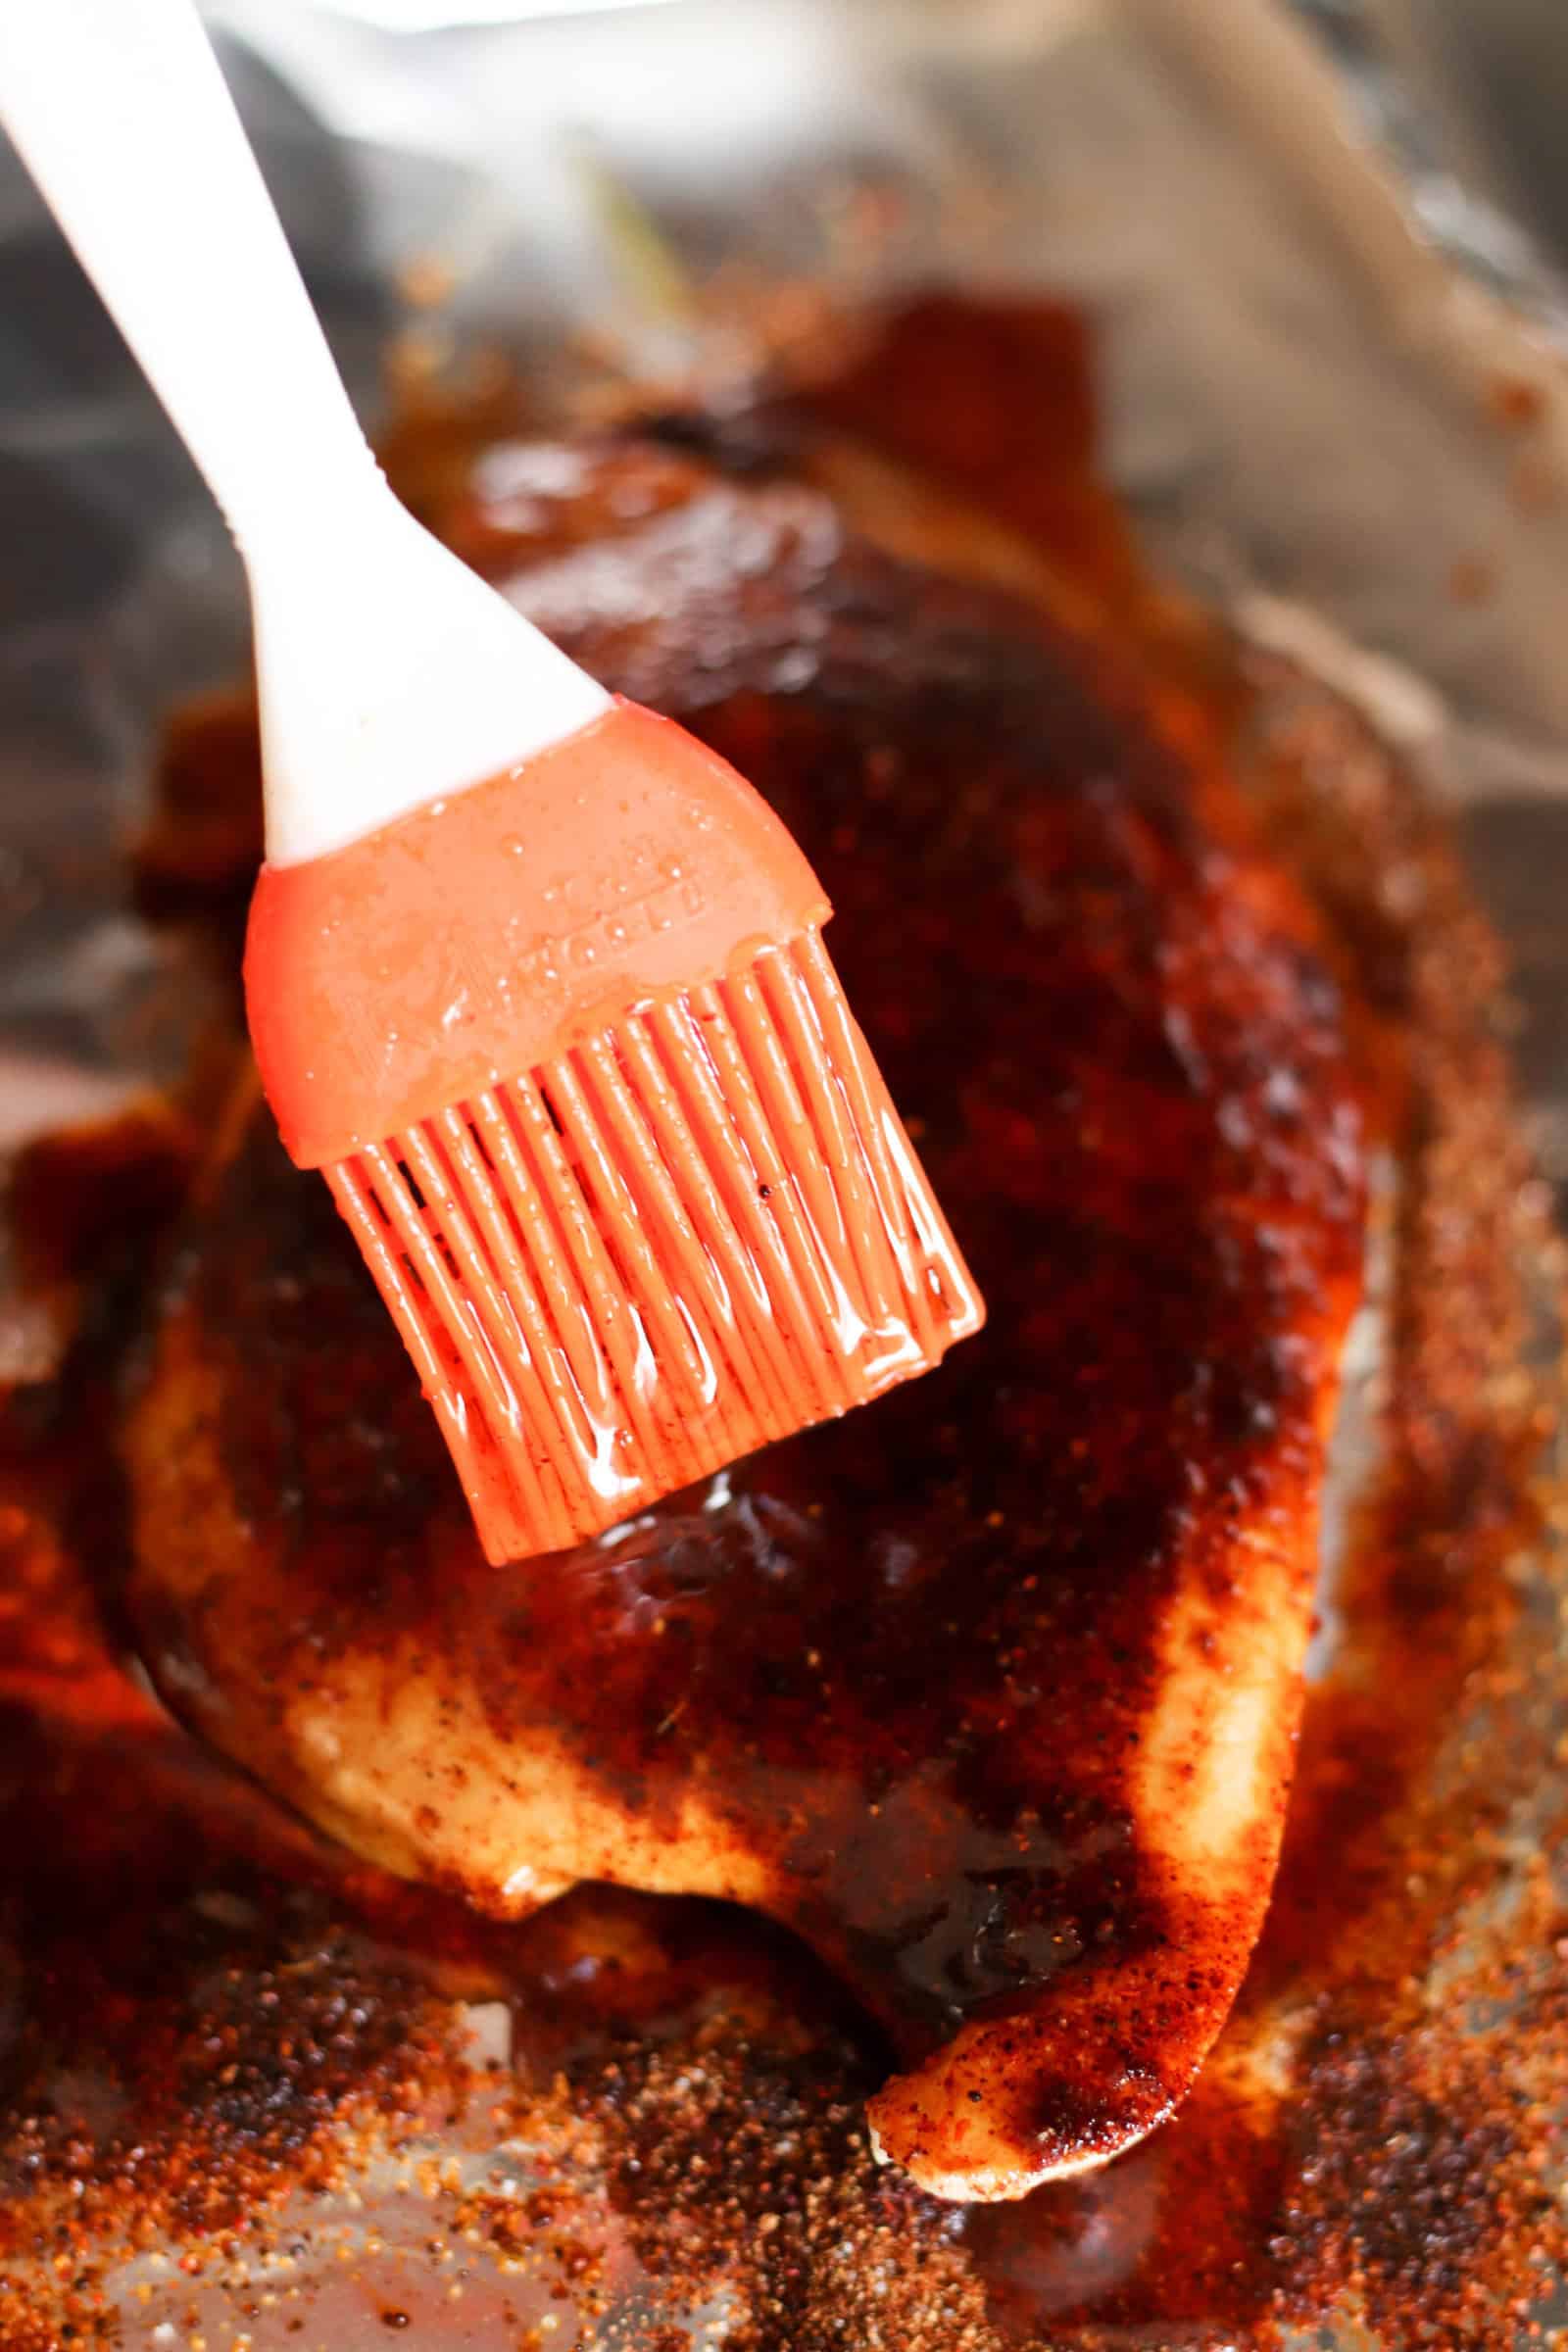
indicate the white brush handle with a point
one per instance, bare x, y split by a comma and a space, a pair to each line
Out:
389, 673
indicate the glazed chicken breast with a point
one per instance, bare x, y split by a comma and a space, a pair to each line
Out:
988, 1691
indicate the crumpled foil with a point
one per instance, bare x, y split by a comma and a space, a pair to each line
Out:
1303, 409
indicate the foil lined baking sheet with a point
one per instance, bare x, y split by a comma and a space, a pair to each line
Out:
1294, 439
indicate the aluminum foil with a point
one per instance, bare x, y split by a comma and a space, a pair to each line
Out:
1320, 417
1304, 399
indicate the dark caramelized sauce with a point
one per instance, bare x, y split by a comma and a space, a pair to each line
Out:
1157, 1179
893, 1611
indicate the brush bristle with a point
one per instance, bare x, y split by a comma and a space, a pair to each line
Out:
699, 1231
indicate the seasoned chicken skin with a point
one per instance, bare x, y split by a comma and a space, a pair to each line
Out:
989, 1691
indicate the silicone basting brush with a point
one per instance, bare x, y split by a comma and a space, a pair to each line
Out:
533, 978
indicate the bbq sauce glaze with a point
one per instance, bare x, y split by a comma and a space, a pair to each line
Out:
951, 1497
906, 1684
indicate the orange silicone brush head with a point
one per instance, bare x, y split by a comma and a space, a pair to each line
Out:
575, 1063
